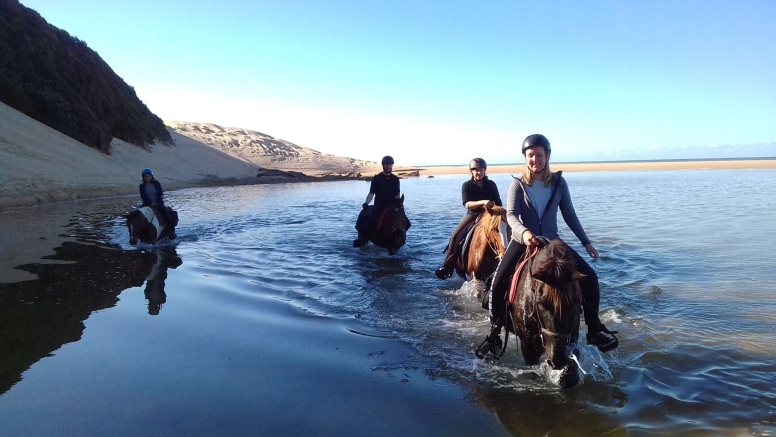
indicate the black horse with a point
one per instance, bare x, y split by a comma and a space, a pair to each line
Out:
545, 308
389, 227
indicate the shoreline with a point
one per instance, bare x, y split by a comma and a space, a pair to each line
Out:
761, 164
58, 195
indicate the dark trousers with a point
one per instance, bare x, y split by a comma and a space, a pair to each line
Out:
455, 239
591, 292
367, 220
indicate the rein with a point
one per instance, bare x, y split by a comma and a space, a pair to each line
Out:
381, 219
516, 277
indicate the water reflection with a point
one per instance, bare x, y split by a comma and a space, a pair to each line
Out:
154, 289
38, 316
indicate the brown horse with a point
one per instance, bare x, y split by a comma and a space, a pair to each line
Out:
391, 229
545, 306
485, 247
145, 225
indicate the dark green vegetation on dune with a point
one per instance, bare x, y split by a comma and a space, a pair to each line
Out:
58, 80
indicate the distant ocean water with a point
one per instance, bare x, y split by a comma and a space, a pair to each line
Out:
631, 161
269, 322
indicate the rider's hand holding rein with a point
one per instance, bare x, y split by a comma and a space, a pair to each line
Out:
473, 205
530, 240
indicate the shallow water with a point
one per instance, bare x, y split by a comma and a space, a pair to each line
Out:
261, 319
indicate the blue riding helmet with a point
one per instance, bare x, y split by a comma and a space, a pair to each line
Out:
147, 171
387, 160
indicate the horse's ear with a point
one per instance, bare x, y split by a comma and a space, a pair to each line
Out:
402, 199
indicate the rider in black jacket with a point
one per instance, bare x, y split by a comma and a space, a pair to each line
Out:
477, 193
384, 188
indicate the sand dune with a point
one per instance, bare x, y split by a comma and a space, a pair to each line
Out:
40, 164
267, 151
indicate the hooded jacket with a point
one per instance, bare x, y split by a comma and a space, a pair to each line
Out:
522, 216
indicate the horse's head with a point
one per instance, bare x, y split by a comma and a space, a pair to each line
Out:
395, 225
487, 244
558, 304
137, 225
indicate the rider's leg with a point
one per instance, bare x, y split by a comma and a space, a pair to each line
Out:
497, 298
446, 270
591, 294
365, 224
168, 224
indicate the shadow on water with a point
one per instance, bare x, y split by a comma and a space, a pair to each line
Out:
38, 316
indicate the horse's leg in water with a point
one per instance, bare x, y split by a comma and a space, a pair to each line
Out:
531, 353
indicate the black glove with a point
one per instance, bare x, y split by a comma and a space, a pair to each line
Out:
364, 205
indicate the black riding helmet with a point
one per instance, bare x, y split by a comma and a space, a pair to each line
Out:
536, 140
387, 160
478, 163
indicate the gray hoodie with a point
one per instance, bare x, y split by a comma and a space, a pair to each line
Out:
522, 216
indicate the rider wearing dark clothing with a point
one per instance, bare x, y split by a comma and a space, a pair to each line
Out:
532, 206
384, 188
476, 193
152, 194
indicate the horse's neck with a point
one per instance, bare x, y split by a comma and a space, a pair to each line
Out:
153, 219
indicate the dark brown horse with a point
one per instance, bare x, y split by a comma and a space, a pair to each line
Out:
392, 225
145, 225
485, 247
545, 307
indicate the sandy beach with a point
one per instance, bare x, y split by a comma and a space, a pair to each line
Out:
614, 166
41, 165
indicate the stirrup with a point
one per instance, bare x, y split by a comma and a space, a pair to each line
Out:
601, 341
491, 346
444, 272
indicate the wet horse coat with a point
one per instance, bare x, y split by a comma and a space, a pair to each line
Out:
545, 308
484, 246
145, 225
392, 225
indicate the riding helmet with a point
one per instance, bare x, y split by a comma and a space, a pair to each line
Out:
147, 171
387, 160
536, 140
478, 163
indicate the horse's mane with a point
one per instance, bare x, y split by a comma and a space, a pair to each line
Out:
556, 268
487, 233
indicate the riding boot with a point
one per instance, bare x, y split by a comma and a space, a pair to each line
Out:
598, 337
360, 241
446, 270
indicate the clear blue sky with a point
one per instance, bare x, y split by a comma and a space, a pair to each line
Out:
441, 82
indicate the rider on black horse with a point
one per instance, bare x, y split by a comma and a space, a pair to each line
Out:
477, 193
153, 196
533, 202
384, 188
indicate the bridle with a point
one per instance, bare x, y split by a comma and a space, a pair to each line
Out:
553, 334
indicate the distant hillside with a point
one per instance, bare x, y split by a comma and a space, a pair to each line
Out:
56, 79
266, 151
